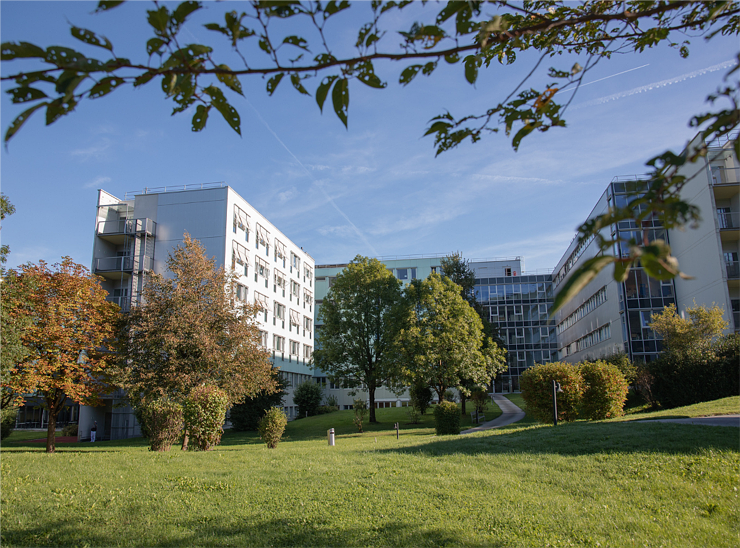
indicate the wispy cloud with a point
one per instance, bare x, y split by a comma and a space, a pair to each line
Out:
657, 85
95, 151
97, 182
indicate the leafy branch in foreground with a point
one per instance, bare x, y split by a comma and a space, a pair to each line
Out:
473, 35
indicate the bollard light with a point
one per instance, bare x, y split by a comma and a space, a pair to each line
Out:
555, 389
330, 436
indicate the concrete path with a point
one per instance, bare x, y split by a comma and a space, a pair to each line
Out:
510, 414
717, 420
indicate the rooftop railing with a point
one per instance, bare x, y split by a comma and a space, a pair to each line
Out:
127, 226
173, 188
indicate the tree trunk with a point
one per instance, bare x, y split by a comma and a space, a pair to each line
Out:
462, 403
440, 394
371, 395
51, 433
185, 441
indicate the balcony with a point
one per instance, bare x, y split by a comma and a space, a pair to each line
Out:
116, 231
114, 268
729, 225
123, 302
733, 270
725, 182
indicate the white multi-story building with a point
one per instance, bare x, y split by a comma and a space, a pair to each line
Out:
135, 235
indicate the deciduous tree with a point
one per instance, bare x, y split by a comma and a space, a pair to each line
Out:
6, 209
693, 333
357, 342
442, 338
191, 330
66, 328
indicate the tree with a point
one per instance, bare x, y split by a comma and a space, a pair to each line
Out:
360, 314
6, 209
697, 332
474, 35
67, 327
307, 397
190, 330
457, 269
442, 340
246, 415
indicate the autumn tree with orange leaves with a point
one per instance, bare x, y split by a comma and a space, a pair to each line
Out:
66, 327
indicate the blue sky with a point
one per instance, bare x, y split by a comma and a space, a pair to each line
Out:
374, 189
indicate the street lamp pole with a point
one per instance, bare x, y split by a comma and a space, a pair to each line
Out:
555, 389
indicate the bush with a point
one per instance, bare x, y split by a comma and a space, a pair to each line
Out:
161, 423
450, 395
536, 385
272, 426
623, 363
414, 416
446, 418
205, 413
643, 384
420, 397
7, 420
70, 430
604, 391
332, 401
360, 407
245, 416
324, 409
307, 396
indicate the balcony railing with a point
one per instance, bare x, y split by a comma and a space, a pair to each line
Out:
725, 175
123, 302
127, 226
733, 269
114, 264
728, 220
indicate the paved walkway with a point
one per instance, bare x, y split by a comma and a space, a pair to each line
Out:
717, 420
510, 414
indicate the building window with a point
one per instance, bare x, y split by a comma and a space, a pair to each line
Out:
263, 338
279, 343
307, 353
295, 348
279, 311
241, 292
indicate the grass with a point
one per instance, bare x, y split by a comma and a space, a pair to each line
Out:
582, 484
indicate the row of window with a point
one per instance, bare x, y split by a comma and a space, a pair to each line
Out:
517, 292
294, 379
518, 313
262, 238
595, 337
592, 303
529, 335
263, 302
294, 347
572, 260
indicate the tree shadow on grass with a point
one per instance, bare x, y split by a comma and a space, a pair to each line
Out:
584, 439
293, 531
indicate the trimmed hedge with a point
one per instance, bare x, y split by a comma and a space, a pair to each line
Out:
446, 418
205, 413
161, 423
536, 385
272, 426
604, 391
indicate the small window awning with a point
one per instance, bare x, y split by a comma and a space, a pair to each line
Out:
241, 219
280, 250
295, 317
279, 278
263, 235
261, 300
263, 264
240, 252
307, 296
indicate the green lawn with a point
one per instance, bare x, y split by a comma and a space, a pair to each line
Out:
583, 484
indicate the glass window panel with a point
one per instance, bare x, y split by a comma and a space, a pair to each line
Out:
654, 287
402, 273
630, 285
642, 283
483, 293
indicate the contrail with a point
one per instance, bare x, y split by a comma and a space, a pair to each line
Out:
607, 77
656, 85
315, 182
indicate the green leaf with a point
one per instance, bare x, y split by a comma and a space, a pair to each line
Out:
218, 28
340, 99
155, 45
580, 279
11, 50
323, 90
408, 74
471, 68
296, 81
523, 132
452, 58
273, 82
105, 5
369, 78
58, 108
68, 82
296, 41
24, 94
63, 57
222, 105
332, 7
20, 120
158, 20
26, 78
229, 79
105, 86
621, 270
200, 117
143, 79
182, 12
89, 37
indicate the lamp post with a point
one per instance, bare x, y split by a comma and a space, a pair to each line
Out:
555, 389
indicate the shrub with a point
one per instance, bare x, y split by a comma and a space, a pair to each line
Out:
536, 385
7, 420
623, 363
604, 391
420, 396
245, 416
70, 430
446, 418
480, 399
414, 416
161, 423
307, 396
205, 413
324, 409
450, 395
332, 401
360, 407
643, 384
272, 426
